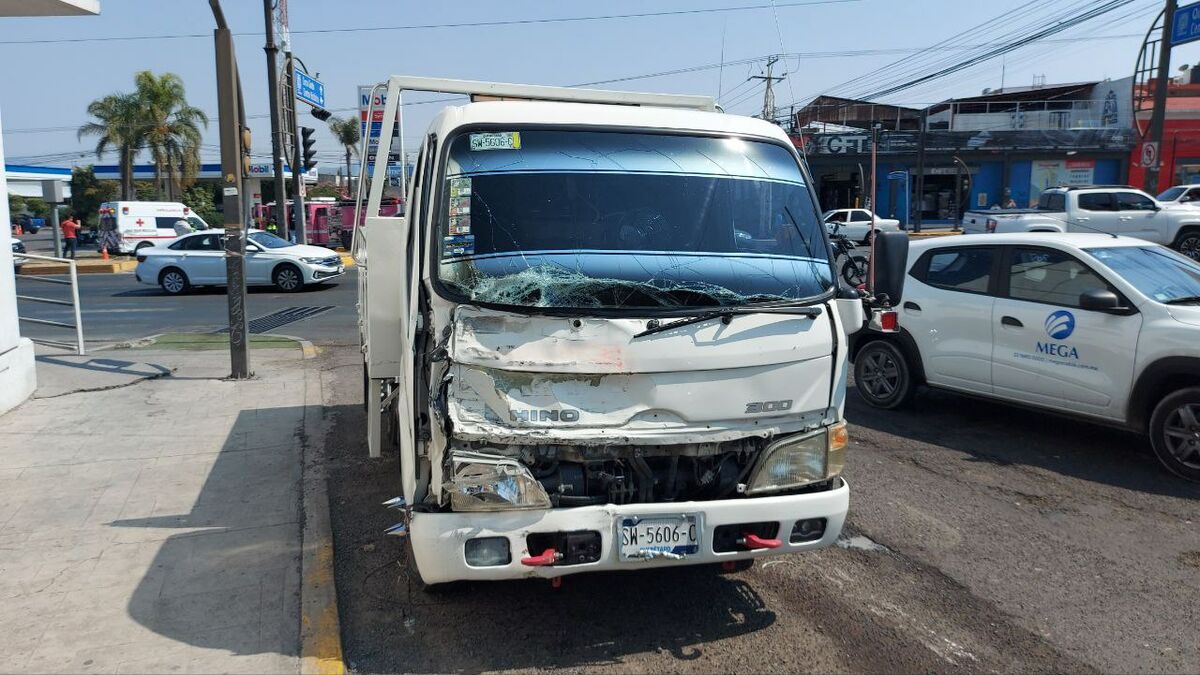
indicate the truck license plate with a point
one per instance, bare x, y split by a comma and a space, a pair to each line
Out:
659, 537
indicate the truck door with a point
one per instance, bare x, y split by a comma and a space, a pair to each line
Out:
947, 314
1047, 350
1097, 212
1138, 216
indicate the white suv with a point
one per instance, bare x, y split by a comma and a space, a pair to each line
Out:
1092, 325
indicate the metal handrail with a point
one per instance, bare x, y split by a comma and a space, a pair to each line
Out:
79, 347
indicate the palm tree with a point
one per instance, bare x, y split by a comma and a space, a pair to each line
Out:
347, 133
119, 125
172, 130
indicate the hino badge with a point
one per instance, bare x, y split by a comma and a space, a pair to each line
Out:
606, 335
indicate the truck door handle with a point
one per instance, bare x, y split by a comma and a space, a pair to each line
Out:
1010, 321
912, 306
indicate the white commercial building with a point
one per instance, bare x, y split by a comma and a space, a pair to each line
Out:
17, 376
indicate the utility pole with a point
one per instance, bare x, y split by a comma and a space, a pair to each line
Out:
281, 217
235, 151
768, 111
297, 160
1155, 132
918, 213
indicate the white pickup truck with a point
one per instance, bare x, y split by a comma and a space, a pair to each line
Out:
1109, 209
607, 335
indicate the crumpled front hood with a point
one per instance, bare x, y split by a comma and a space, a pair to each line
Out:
517, 378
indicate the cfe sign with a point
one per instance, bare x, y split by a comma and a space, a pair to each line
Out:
1150, 154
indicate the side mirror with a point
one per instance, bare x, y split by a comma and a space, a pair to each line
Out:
253, 248
891, 263
1101, 300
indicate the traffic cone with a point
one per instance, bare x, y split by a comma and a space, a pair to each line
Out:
104, 253
19, 231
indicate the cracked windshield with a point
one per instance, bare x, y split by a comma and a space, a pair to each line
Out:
582, 219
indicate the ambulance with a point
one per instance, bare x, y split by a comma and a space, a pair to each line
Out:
142, 224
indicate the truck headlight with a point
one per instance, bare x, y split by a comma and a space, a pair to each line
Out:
797, 461
490, 483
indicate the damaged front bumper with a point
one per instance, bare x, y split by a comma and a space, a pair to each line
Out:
440, 540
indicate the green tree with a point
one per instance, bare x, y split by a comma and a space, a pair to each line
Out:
118, 125
37, 206
16, 206
347, 132
88, 193
324, 191
172, 131
200, 199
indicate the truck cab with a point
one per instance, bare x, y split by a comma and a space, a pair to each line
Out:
607, 335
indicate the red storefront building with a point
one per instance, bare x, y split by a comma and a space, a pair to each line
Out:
1180, 149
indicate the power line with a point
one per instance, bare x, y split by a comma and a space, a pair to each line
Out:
469, 24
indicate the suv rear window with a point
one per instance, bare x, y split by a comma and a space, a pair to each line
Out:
957, 269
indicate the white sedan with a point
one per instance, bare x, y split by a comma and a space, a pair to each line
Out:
856, 223
198, 259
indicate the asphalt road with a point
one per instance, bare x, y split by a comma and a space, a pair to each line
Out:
980, 538
116, 308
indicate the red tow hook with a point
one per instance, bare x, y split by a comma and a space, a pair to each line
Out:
546, 558
755, 542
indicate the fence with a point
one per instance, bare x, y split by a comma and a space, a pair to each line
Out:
73, 303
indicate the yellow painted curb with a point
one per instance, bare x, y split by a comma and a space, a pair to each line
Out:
82, 267
321, 650
347, 260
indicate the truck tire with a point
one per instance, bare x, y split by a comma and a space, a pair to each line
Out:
883, 376
1188, 243
1175, 432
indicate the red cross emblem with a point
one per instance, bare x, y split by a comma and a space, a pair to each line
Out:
139, 221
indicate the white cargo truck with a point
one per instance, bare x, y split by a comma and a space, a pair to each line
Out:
607, 335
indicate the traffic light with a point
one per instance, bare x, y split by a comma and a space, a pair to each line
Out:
306, 143
321, 113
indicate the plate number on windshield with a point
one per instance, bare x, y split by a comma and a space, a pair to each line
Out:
505, 140
659, 537
757, 407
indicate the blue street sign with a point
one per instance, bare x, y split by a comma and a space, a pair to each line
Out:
309, 89
1187, 24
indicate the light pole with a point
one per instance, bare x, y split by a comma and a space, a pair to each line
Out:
235, 148
281, 213
1159, 114
958, 190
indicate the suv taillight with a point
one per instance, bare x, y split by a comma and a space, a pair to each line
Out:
991, 225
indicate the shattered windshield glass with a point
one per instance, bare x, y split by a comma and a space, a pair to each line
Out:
586, 219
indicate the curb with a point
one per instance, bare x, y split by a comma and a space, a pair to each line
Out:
320, 627
84, 267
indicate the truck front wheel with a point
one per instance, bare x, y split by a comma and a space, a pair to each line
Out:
883, 376
1188, 243
1175, 432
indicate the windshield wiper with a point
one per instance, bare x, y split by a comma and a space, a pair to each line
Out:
727, 313
1183, 301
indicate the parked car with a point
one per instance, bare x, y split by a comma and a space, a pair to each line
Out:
1110, 209
1098, 326
856, 223
18, 247
1180, 195
198, 259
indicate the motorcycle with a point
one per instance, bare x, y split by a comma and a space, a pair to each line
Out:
855, 266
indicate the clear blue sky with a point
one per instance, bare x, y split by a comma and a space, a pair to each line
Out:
47, 86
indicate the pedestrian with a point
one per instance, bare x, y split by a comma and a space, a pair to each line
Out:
70, 233
182, 227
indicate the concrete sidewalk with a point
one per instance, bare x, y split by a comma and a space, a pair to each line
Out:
152, 514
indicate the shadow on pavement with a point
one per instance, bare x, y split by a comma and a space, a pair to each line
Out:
1003, 434
231, 579
110, 366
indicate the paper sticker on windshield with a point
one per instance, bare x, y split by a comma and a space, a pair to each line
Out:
503, 140
460, 206
458, 245
460, 187
460, 224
